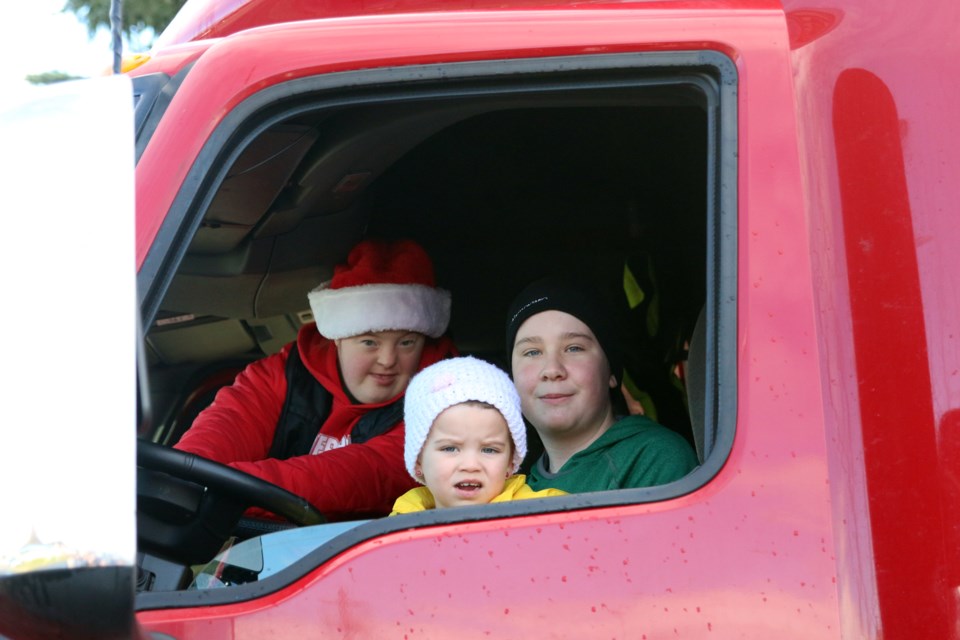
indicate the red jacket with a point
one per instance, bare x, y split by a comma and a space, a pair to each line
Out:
357, 480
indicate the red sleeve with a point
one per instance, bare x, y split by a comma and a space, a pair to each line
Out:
358, 480
355, 481
240, 423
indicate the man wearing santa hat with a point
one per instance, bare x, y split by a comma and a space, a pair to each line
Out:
323, 418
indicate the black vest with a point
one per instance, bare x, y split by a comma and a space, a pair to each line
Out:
307, 406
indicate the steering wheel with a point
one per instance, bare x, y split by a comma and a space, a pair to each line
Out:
187, 506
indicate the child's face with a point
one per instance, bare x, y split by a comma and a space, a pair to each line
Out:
467, 455
377, 366
562, 376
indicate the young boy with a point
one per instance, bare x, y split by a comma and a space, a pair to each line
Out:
564, 346
465, 438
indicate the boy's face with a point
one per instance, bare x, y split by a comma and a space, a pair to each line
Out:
562, 376
377, 366
467, 456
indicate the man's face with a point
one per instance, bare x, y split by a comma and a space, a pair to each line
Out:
377, 366
562, 376
466, 457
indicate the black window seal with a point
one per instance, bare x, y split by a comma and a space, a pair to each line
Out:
152, 95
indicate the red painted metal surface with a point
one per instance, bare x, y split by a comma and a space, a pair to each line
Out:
887, 316
879, 146
834, 514
205, 19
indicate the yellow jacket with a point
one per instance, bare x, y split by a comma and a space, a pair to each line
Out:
516, 488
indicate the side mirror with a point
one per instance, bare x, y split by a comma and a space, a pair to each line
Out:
67, 472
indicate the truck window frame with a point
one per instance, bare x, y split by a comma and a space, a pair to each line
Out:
711, 72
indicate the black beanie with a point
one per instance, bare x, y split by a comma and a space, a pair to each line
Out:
577, 299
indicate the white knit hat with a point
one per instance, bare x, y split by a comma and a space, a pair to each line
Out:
383, 286
455, 381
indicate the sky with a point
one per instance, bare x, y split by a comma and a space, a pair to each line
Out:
36, 36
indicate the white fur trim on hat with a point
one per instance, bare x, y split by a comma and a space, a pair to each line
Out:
351, 311
455, 381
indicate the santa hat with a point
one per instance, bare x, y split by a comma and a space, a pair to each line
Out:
384, 285
455, 381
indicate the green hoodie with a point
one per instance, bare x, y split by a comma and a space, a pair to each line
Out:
634, 452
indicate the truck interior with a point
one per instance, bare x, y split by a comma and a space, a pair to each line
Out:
620, 173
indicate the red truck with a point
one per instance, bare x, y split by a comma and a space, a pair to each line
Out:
779, 179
